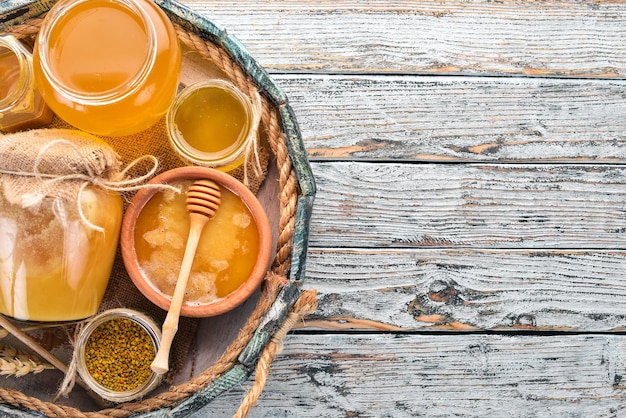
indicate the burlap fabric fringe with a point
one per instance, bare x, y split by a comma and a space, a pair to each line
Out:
39, 164
270, 123
59, 164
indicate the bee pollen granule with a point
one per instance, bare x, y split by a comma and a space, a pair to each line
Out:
118, 354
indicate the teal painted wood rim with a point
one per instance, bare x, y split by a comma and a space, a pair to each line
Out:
15, 12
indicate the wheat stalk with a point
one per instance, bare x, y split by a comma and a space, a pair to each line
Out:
18, 363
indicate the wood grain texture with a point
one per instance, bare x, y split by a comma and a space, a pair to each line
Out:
461, 119
469, 206
469, 163
469, 375
560, 38
468, 289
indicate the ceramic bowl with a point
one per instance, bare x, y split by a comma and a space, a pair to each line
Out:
234, 298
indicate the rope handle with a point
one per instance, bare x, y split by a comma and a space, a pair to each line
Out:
306, 304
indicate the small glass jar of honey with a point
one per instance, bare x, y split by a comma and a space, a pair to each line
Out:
21, 105
212, 124
108, 67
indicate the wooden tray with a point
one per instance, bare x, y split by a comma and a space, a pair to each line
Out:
228, 346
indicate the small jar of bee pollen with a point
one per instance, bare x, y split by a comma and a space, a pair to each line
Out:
115, 351
213, 124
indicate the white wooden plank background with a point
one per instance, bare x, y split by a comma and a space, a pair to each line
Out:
465, 289
469, 205
459, 119
557, 38
467, 240
391, 375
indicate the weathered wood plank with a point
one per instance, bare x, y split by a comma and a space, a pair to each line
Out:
465, 375
469, 205
560, 38
468, 289
459, 118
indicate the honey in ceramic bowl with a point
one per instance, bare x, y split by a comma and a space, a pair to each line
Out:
233, 253
226, 251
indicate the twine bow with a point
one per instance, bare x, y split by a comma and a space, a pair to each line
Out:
83, 172
252, 149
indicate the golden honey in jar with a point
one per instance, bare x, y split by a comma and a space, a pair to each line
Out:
109, 67
212, 124
226, 254
54, 267
21, 105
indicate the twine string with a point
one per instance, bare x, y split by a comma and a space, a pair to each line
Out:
70, 376
253, 146
119, 182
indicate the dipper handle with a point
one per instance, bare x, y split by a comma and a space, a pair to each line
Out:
203, 199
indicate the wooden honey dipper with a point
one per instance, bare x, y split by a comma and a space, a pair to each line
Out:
203, 199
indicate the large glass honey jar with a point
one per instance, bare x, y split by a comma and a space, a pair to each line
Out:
109, 67
53, 265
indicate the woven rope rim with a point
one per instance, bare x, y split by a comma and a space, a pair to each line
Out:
270, 122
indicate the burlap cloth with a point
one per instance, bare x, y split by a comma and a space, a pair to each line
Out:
121, 291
